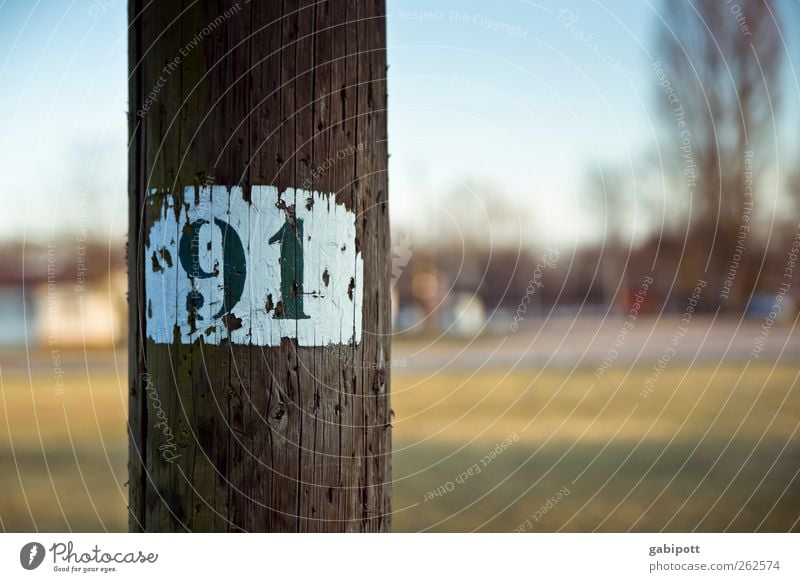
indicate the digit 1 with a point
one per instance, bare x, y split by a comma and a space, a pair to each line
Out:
291, 238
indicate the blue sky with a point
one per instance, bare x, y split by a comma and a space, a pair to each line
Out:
63, 69
520, 110
503, 97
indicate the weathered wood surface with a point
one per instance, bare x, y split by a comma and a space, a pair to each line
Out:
232, 437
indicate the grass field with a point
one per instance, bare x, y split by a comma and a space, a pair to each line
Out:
63, 457
710, 449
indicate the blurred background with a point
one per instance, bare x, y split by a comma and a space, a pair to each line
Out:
596, 229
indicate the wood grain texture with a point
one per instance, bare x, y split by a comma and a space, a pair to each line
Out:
284, 438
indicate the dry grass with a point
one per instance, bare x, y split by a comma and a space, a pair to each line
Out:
709, 449
704, 445
63, 457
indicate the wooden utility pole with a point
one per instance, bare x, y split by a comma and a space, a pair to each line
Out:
258, 257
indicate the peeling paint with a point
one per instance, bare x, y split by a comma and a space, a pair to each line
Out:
254, 270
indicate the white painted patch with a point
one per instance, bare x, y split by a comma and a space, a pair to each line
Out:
333, 311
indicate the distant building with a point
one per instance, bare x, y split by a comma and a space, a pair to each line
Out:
64, 295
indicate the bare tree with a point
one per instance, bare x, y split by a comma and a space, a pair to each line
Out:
717, 65
606, 193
